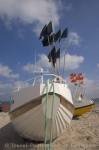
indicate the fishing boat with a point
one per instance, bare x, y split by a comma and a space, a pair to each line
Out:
81, 102
42, 110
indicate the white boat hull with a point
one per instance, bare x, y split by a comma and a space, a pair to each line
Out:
44, 117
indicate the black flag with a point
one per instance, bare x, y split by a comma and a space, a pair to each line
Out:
44, 31
53, 52
58, 53
52, 56
65, 33
45, 41
57, 36
49, 56
48, 40
49, 28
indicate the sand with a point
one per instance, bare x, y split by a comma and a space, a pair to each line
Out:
82, 134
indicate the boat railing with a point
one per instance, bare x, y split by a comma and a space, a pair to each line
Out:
41, 79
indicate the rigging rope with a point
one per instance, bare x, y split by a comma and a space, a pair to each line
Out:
46, 123
45, 127
51, 127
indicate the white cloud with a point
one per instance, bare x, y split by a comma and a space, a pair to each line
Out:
19, 84
5, 71
71, 62
74, 39
3, 85
30, 11
29, 68
98, 65
92, 88
7, 89
41, 63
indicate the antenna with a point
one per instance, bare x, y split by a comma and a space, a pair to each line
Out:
35, 58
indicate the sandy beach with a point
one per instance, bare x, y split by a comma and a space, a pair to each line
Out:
82, 134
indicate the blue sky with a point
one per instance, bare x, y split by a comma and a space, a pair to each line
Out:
20, 24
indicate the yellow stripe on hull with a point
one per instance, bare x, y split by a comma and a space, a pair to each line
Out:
79, 111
